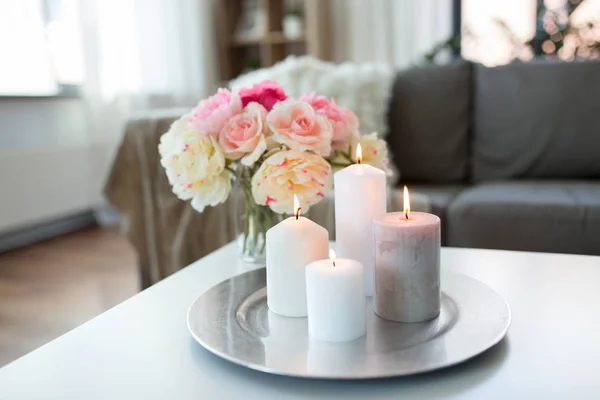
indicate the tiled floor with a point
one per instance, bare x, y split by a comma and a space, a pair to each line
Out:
52, 287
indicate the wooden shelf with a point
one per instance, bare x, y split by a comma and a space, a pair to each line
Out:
270, 38
281, 38
246, 41
267, 49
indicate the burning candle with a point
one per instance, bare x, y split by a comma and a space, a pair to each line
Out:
360, 196
407, 265
291, 245
336, 299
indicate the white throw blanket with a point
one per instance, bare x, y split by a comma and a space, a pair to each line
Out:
363, 88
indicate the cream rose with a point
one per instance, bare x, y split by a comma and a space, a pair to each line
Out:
296, 124
286, 173
168, 141
374, 152
243, 136
195, 167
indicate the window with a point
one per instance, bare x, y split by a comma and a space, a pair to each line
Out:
493, 30
497, 32
40, 44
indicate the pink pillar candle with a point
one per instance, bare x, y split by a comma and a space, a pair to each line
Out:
407, 266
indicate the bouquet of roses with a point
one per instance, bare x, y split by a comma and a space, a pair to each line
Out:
271, 145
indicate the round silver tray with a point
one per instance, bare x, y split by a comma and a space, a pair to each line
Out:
232, 320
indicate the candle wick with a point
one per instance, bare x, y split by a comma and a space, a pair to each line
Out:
406, 214
333, 263
359, 161
298, 212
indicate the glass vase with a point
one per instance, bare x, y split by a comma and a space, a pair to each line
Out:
252, 223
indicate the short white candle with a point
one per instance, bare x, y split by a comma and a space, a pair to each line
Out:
291, 245
336, 300
407, 266
360, 196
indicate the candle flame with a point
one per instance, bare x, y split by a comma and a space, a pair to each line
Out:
297, 207
406, 203
358, 153
332, 256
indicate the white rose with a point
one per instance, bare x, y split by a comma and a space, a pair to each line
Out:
212, 192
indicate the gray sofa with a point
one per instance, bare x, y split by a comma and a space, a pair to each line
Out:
509, 156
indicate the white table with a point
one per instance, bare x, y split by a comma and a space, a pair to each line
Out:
141, 349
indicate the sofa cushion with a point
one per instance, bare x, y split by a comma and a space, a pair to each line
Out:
429, 118
537, 120
439, 197
550, 216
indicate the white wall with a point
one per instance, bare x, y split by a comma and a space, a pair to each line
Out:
49, 165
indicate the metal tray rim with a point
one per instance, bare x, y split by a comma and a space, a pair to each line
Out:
501, 333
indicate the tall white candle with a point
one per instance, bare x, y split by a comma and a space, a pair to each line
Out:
336, 300
360, 196
407, 266
291, 245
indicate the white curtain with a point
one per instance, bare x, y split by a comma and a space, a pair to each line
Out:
140, 55
396, 31
143, 54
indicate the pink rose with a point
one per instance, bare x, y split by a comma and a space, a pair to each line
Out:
266, 93
210, 115
343, 121
244, 135
297, 125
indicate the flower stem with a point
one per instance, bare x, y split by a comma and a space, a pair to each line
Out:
338, 164
257, 218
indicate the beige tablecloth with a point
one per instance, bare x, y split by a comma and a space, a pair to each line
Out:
168, 233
